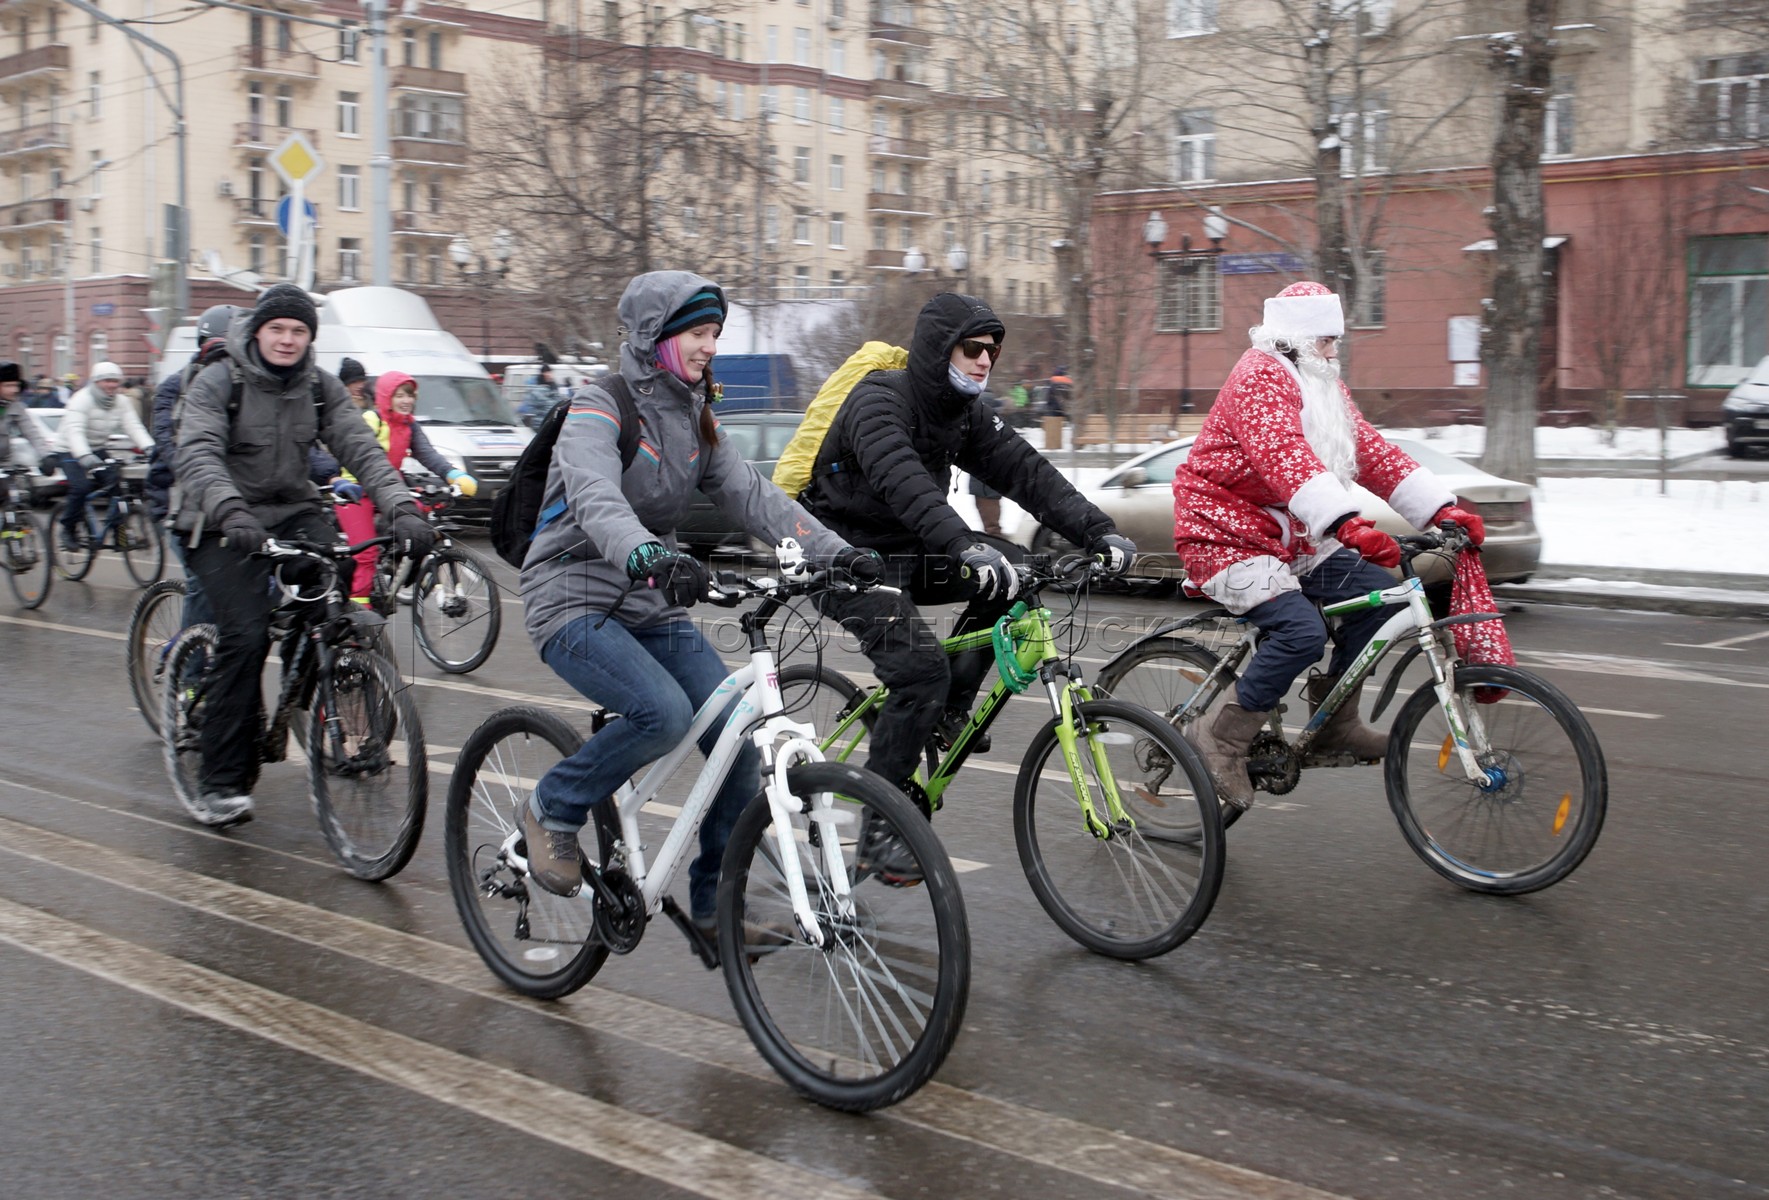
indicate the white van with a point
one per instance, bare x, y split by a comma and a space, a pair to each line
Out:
464, 414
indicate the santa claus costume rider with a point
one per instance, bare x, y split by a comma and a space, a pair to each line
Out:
1267, 526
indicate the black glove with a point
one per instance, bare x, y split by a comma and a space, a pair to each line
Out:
1115, 551
242, 530
680, 577
854, 565
50, 464
989, 570
412, 534
106, 474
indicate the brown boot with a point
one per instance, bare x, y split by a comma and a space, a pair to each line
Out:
1224, 743
1343, 732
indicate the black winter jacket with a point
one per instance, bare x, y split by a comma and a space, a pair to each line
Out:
885, 467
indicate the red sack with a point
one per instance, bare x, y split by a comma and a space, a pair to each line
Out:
1478, 641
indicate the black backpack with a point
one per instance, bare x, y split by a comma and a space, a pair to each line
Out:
516, 511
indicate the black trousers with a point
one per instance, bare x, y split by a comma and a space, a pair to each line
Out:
906, 654
80, 485
237, 587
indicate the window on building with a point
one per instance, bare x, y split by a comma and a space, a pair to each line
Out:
770, 103
1363, 135
349, 42
905, 181
349, 259
801, 226
838, 283
878, 178
881, 238
838, 172
1730, 94
611, 20
96, 264
350, 188
434, 267
285, 36
1013, 295
736, 102
771, 224
838, 226
801, 105
1191, 294
1371, 308
1013, 187
1194, 145
408, 190
1188, 18
1728, 308
285, 106
255, 109
801, 47
801, 283
1557, 130
94, 95
690, 221
408, 42
905, 234
435, 49
94, 173
771, 43
409, 265
435, 196
838, 57
255, 254
349, 113
838, 113
983, 189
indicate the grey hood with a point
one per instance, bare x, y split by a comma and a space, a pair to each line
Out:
644, 307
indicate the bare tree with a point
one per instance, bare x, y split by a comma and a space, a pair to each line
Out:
1523, 62
1637, 311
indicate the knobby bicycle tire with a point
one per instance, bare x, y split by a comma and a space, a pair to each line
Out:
149, 645
29, 562
1148, 885
182, 690
536, 943
77, 563
866, 1019
140, 544
443, 570
1548, 773
368, 772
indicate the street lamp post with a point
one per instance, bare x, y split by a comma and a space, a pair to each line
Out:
1154, 233
483, 275
67, 273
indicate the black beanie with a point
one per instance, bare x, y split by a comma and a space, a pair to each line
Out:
349, 371
283, 300
9, 373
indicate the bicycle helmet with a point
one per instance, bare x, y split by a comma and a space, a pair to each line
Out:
215, 320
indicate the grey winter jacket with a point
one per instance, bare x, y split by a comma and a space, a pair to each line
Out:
576, 563
260, 457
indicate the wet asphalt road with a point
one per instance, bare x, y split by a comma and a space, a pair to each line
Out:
188, 1013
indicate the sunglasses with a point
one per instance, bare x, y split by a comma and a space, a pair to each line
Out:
971, 348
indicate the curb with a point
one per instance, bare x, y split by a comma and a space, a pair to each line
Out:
1684, 601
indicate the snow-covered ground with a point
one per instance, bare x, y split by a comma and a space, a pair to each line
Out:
1575, 442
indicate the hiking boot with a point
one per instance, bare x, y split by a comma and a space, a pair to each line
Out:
1223, 743
1343, 732
218, 810
883, 852
554, 860
72, 540
950, 725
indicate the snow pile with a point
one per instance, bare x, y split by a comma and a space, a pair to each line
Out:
1698, 525
1467, 441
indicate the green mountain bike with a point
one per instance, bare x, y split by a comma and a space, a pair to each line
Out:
1115, 818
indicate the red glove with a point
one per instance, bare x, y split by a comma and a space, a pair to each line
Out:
1361, 534
1471, 522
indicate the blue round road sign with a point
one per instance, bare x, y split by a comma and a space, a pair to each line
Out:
282, 213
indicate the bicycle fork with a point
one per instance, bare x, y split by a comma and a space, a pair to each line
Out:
1068, 736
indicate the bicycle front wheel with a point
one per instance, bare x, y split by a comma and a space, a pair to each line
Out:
456, 610
868, 1016
1143, 880
27, 559
153, 626
73, 562
1539, 809
183, 688
366, 765
537, 943
142, 547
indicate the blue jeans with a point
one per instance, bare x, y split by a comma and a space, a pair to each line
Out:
1296, 633
655, 678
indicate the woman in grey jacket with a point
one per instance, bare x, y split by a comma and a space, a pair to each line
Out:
605, 587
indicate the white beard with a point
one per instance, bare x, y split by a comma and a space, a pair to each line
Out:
1326, 417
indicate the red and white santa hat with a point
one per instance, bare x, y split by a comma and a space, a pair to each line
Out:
1304, 310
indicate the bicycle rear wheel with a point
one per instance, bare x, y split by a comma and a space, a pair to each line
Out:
868, 1017
75, 563
824, 698
27, 559
184, 684
1534, 819
366, 765
142, 547
457, 610
1149, 882
1165, 675
537, 943
153, 626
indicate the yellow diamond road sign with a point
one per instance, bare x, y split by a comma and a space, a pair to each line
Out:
296, 160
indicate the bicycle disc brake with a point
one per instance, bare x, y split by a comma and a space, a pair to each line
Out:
1272, 764
620, 929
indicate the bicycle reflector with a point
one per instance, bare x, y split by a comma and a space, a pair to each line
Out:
1007, 659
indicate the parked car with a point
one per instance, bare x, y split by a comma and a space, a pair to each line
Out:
1745, 412
1139, 497
759, 437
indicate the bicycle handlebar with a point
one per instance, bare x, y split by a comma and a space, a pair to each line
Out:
288, 548
728, 589
1068, 573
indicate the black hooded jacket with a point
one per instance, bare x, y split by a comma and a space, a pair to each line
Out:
885, 467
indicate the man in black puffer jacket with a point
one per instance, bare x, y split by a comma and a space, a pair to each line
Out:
881, 482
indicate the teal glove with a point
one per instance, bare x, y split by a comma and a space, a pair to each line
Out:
640, 560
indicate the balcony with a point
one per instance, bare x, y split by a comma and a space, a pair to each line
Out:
255, 210
901, 90
427, 79
430, 152
420, 224
885, 260
32, 64
32, 214
893, 202
257, 136
278, 64
36, 139
900, 35
895, 147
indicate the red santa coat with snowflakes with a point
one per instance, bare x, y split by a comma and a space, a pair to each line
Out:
1253, 503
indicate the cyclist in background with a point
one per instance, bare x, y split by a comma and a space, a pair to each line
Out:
14, 412
93, 415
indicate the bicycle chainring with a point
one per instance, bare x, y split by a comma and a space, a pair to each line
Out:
1272, 764
620, 929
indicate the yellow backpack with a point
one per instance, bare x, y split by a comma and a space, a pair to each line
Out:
792, 474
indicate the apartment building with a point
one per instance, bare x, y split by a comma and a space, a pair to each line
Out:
1654, 165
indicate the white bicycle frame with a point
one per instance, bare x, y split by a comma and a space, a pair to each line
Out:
760, 717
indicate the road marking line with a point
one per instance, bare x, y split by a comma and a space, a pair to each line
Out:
60, 628
1112, 1159
620, 1137
1637, 668
1731, 643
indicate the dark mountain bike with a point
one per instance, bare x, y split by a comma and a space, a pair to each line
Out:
126, 528
27, 552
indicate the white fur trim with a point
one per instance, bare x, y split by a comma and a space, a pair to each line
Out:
1305, 316
1320, 502
1418, 497
1243, 586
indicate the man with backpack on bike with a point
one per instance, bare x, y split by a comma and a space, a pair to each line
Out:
881, 481
95, 412
1267, 526
244, 432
